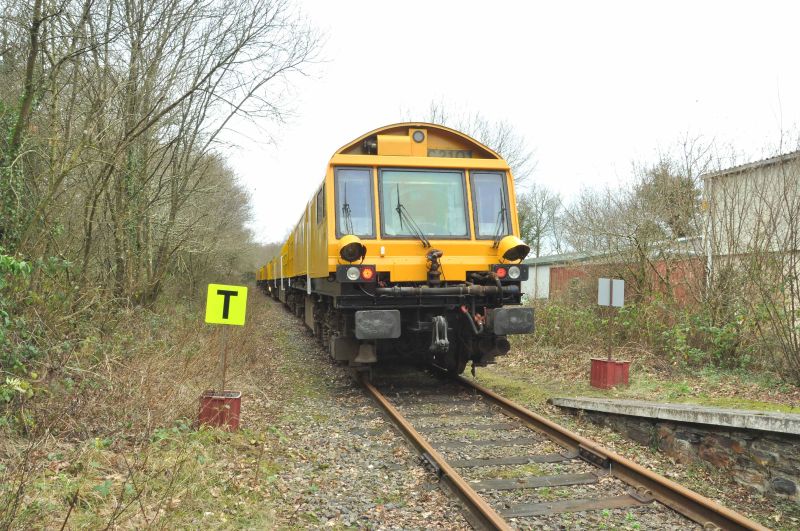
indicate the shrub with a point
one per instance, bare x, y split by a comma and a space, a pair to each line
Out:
689, 336
13, 273
17, 344
561, 325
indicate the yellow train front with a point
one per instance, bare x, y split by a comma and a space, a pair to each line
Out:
409, 248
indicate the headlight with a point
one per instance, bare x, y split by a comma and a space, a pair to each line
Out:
351, 249
513, 272
353, 273
511, 249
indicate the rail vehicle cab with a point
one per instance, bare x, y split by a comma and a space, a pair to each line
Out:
409, 248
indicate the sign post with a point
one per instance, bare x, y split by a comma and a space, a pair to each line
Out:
608, 372
225, 305
610, 294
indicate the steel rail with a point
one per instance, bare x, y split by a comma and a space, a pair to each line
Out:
685, 501
475, 503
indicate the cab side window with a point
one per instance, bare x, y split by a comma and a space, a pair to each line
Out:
321, 204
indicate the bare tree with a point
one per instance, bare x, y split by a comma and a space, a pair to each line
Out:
110, 163
649, 222
753, 242
500, 136
539, 211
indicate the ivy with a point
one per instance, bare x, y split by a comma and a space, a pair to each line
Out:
11, 181
17, 346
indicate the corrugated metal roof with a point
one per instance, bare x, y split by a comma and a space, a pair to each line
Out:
563, 258
777, 159
689, 246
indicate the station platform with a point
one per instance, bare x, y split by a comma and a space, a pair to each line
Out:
745, 419
761, 449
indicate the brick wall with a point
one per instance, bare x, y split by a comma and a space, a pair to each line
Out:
681, 278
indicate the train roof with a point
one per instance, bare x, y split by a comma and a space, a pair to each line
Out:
439, 141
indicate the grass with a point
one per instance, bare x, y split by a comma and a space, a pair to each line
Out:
113, 441
700, 390
524, 389
182, 477
536, 374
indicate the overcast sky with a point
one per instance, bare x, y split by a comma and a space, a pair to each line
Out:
592, 86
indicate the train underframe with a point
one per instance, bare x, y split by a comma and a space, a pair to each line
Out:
448, 326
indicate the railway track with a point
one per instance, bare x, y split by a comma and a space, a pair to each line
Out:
514, 468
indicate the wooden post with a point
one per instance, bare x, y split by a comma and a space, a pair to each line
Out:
224, 358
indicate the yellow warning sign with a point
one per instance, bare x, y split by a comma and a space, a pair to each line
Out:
226, 304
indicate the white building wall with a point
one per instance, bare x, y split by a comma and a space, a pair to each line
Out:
753, 210
538, 284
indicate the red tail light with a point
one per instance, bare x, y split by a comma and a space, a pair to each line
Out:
501, 272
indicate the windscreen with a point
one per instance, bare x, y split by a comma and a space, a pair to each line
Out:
433, 200
489, 200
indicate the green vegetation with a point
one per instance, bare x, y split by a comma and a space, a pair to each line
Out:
676, 355
116, 207
180, 477
712, 387
679, 336
527, 391
711, 277
112, 441
113, 195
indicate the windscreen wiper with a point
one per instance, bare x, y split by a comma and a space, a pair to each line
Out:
501, 221
348, 215
412, 225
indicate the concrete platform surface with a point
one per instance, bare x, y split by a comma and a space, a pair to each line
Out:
692, 413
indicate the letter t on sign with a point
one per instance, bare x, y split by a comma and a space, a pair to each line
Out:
226, 304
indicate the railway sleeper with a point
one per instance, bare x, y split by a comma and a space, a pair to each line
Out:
514, 460
519, 441
594, 458
573, 506
535, 482
452, 427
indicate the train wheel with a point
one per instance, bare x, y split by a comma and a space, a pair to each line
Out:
458, 365
454, 361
